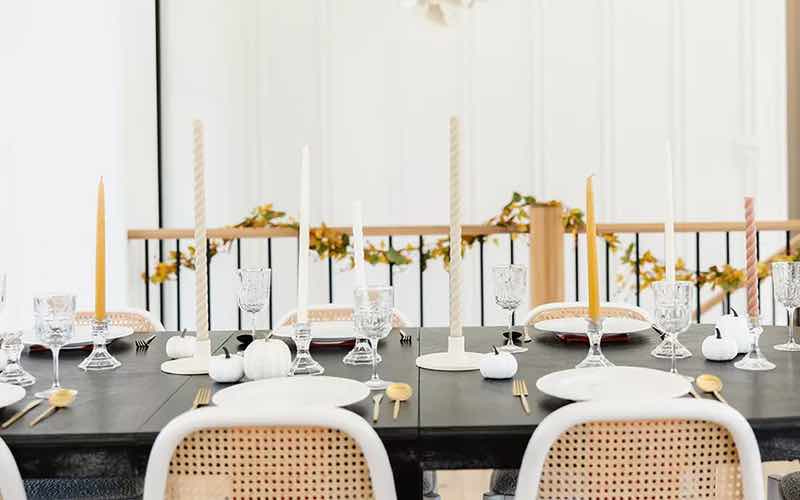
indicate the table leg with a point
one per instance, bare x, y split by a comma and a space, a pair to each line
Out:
407, 479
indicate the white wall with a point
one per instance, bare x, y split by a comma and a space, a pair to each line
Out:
77, 104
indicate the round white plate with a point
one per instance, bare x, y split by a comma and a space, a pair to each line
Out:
324, 331
293, 391
577, 326
10, 394
82, 336
613, 383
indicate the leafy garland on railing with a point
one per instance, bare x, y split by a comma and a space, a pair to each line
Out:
327, 242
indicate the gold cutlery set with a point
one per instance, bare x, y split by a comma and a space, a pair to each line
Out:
709, 383
397, 393
202, 398
62, 398
519, 389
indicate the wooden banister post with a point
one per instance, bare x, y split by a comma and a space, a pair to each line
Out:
546, 272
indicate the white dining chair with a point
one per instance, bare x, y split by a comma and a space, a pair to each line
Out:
677, 448
336, 312
11, 486
281, 453
138, 319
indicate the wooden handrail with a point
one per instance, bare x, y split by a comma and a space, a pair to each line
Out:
468, 230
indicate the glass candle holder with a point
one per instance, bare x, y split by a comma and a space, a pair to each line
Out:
303, 363
99, 359
754, 360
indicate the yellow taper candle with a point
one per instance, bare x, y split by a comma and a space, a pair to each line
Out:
591, 253
100, 256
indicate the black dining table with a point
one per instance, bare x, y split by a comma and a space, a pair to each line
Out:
455, 420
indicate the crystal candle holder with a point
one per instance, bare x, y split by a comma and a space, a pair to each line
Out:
303, 363
595, 357
99, 359
754, 360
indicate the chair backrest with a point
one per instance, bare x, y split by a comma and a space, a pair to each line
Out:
580, 310
336, 312
283, 453
679, 448
138, 319
11, 487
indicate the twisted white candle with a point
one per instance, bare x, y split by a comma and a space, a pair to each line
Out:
669, 220
455, 230
358, 245
200, 258
303, 244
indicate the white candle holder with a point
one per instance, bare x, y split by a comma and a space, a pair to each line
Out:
456, 359
99, 359
196, 365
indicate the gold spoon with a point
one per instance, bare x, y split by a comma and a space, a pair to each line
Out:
711, 383
398, 393
59, 399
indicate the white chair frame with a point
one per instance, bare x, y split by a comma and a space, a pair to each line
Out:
332, 418
575, 414
11, 486
157, 326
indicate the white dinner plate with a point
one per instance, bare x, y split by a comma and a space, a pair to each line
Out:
293, 391
577, 326
613, 383
324, 331
82, 336
10, 394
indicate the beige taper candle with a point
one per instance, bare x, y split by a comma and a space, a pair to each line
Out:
200, 258
455, 230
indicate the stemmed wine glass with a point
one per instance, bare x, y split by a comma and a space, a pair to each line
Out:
14, 373
673, 312
253, 292
509, 288
372, 313
54, 323
786, 287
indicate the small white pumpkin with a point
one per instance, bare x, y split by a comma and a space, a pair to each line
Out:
226, 368
498, 365
267, 359
735, 327
719, 348
181, 346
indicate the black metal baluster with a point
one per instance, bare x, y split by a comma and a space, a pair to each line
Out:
330, 280
608, 272
146, 275
271, 278
161, 285
421, 287
638, 277
178, 281
758, 259
788, 243
727, 308
238, 266
697, 269
577, 268
208, 280
391, 266
480, 273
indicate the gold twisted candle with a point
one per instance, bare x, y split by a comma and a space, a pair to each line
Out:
455, 230
200, 258
750, 253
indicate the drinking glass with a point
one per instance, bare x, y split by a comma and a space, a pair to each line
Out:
372, 312
14, 373
509, 289
253, 292
54, 323
786, 287
673, 312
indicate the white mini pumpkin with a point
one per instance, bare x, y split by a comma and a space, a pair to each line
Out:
498, 365
267, 359
719, 348
735, 327
226, 368
181, 346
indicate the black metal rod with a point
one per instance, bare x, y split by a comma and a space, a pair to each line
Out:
421, 287
788, 243
330, 280
576, 251
697, 270
608, 272
480, 273
638, 277
208, 280
758, 259
238, 266
147, 275
159, 152
391, 266
271, 278
727, 308
178, 282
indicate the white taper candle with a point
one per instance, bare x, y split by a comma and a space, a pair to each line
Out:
455, 230
303, 244
200, 259
358, 245
669, 219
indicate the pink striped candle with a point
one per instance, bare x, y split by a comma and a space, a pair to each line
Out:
752, 264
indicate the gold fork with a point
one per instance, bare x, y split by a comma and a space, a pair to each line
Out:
202, 398
520, 389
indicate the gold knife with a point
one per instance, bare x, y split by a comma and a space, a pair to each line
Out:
376, 408
30, 406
